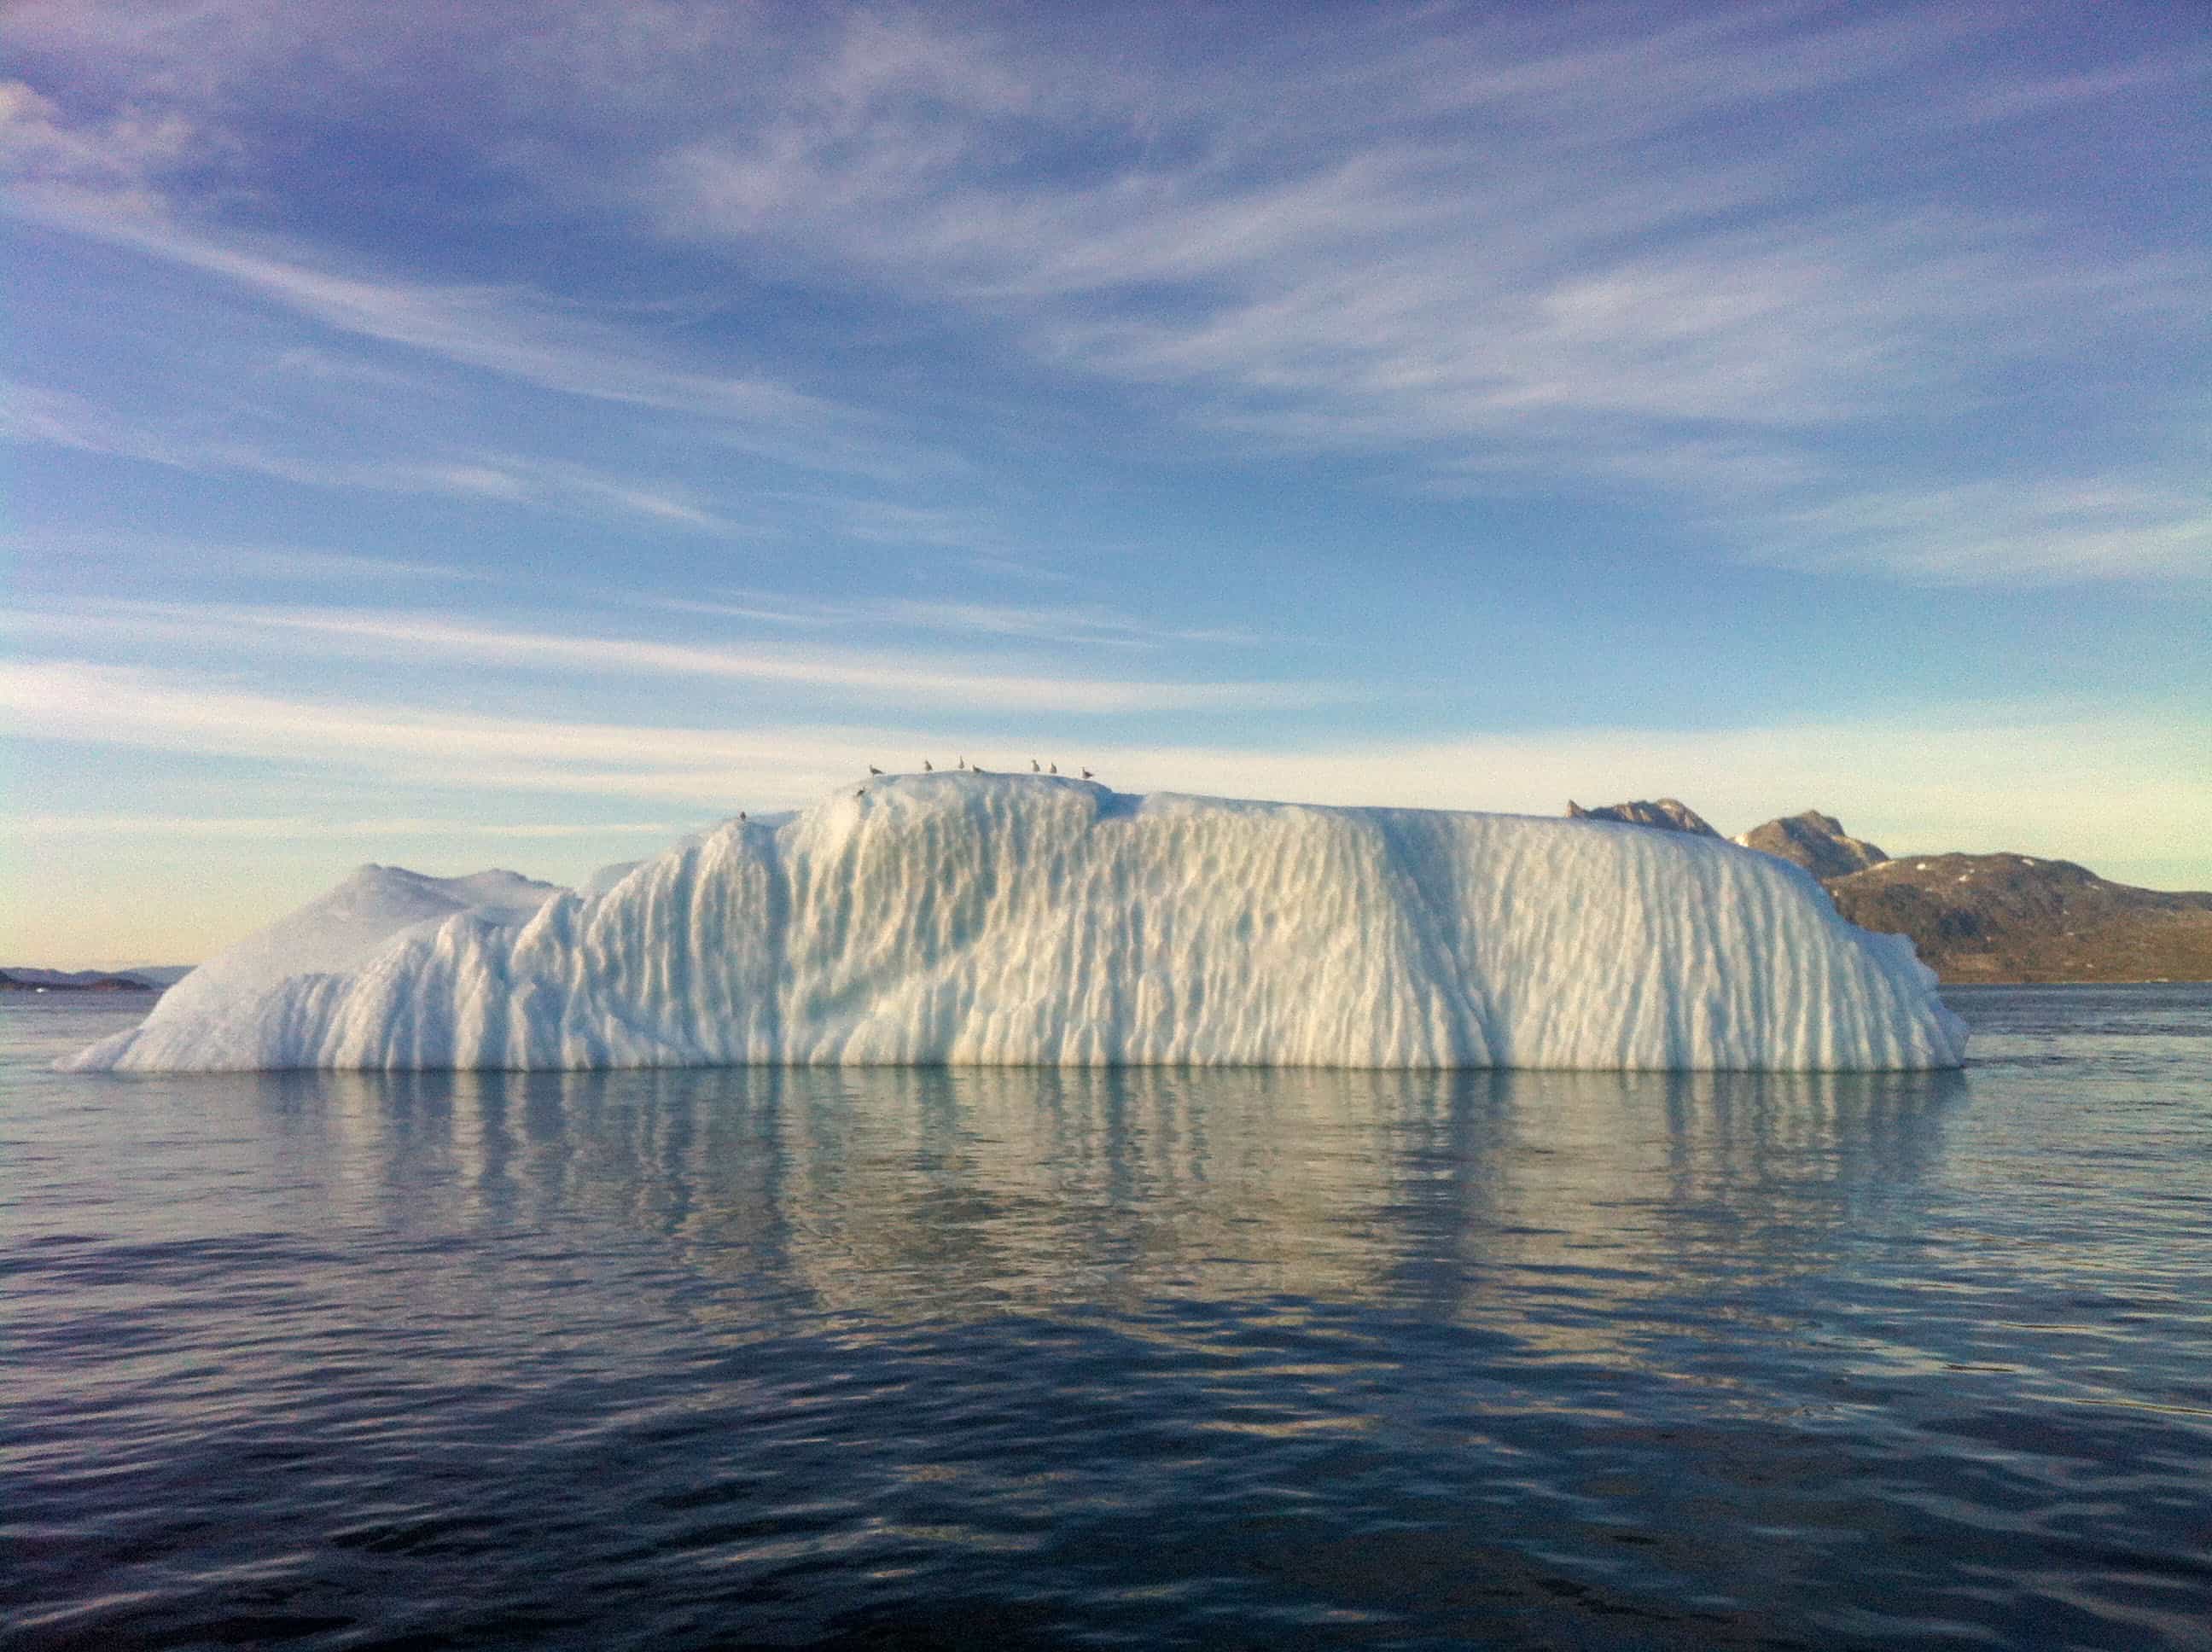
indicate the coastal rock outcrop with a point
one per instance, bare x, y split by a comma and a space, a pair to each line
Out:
1662, 814
1815, 841
2020, 917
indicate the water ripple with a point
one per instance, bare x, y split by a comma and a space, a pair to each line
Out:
924, 1359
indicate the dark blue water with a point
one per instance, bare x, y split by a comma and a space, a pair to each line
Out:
932, 1359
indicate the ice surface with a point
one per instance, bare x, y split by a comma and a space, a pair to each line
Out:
1003, 920
222, 1003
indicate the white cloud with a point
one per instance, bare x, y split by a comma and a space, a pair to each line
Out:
1494, 249
29, 413
1087, 624
506, 330
142, 554
311, 828
450, 750
1691, 257
108, 182
2117, 783
2041, 532
113, 160
305, 361
896, 677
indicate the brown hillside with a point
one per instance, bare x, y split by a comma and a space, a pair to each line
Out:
2014, 917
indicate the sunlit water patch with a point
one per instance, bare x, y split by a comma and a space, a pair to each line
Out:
1003, 1358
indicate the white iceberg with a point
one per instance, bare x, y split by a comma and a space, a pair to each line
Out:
1003, 920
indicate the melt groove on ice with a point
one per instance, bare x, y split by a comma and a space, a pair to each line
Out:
1013, 920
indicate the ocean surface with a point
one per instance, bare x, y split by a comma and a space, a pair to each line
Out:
1008, 1359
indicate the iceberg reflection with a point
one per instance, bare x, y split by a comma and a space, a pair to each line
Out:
1554, 1206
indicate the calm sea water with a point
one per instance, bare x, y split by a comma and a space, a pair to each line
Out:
1010, 1359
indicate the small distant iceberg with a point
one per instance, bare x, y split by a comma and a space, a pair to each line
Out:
1013, 920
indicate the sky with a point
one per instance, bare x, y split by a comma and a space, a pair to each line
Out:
520, 433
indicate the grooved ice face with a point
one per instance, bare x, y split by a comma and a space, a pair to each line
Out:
996, 920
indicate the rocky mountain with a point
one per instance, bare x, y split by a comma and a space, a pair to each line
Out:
1815, 841
1667, 815
2001, 917
2015, 917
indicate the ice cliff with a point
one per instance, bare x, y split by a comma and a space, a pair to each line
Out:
954, 918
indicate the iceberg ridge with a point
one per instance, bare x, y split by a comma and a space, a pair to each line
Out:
1012, 920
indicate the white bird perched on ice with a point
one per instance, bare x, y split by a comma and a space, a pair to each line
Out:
1055, 768
928, 767
1034, 769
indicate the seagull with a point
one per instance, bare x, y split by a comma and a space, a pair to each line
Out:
928, 767
1034, 769
862, 792
873, 770
1086, 774
741, 815
964, 762
1055, 768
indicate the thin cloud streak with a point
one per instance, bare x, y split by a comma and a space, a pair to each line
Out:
2039, 779
1513, 262
895, 678
318, 828
2052, 531
114, 182
284, 563
1486, 250
505, 330
29, 413
171, 712
1074, 624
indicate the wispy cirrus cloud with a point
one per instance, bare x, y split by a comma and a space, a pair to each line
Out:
2041, 780
1498, 250
114, 179
112, 160
1683, 256
141, 555
506, 330
30, 413
113, 706
2053, 530
1083, 625
321, 828
510, 332
892, 675
1506, 203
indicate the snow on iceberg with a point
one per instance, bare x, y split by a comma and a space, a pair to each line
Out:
1003, 920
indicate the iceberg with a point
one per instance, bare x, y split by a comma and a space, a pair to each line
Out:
1006, 920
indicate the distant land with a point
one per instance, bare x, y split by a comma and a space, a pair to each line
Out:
139, 978
1978, 917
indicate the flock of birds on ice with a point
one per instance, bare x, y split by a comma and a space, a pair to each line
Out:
929, 768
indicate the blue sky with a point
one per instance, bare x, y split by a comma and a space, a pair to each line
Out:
517, 435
